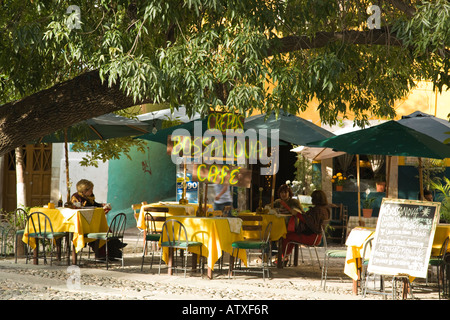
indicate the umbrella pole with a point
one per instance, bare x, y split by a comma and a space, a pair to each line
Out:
388, 174
206, 200
421, 179
274, 178
66, 150
358, 182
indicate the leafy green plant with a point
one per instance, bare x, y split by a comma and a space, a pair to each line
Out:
443, 191
367, 202
306, 178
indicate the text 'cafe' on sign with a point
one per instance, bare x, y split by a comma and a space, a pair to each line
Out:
224, 142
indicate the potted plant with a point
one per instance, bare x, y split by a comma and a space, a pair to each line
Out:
367, 205
339, 179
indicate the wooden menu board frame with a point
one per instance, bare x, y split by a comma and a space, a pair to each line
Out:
404, 237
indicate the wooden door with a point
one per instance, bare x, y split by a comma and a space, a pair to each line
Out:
38, 172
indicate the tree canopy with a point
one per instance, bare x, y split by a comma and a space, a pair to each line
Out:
58, 68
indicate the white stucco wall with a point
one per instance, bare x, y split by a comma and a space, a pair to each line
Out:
99, 176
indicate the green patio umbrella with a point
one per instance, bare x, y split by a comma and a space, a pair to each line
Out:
103, 127
98, 128
292, 129
389, 138
162, 135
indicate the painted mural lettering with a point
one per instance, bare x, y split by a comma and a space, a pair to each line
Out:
225, 121
222, 174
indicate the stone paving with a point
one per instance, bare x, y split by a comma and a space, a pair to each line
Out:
91, 281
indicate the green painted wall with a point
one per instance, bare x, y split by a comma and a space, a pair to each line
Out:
130, 181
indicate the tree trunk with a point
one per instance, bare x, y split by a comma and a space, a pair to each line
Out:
20, 179
26, 120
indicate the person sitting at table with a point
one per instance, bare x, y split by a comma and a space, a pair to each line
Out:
309, 224
286, 204
85, 196
222, 198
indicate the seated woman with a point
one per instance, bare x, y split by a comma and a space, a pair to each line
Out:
85, 196
309, 224
286, 204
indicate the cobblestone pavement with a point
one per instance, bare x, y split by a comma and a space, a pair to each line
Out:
92, 281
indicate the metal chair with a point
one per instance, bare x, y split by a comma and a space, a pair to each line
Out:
320, 240
151, 235
263, 245
252, 223
330, 253
39, 227
365, 276
115, 232
439, 262
176, 238
338, 221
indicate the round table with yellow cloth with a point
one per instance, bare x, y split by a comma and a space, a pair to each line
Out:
278, 226
441, 233
215, 233
175, 209
77, 221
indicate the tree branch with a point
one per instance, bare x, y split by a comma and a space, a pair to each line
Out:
60, 106
404, 7
370, 37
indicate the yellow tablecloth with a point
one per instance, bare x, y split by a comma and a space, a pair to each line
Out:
78, 221
354, 243
442, 232
214, 233
175, 209
278, 226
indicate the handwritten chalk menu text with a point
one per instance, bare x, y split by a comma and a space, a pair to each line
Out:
404, 237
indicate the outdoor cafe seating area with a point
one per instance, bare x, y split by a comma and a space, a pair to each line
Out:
208, 245
404, 248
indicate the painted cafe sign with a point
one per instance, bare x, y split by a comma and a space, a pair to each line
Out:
220, 151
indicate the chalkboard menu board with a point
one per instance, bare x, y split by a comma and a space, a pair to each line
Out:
404, 237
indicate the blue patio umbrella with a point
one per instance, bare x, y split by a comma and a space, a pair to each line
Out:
427, 124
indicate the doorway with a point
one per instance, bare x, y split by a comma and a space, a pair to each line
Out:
38, 173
